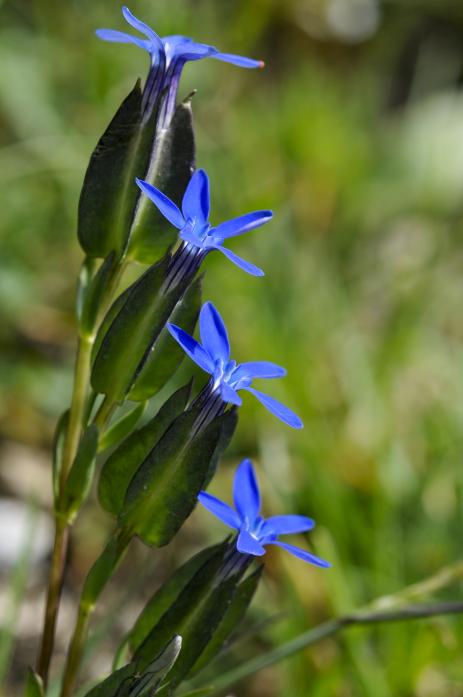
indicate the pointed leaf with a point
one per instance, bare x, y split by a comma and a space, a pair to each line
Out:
122, 427
157, 670
166, 355
34, 685
96, 286
122, 464
58, 445
232, 618
165, 488
167, 594
229, 422
170, 169
80, 477
117, 684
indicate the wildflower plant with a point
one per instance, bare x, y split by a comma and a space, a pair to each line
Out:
144, 201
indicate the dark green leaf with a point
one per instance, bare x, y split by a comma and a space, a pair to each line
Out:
164, 490
102, 570
171, 167
34, 685
96, 287
80, 477
109, 194
157, 670
235, 613
108, 319
122, 464
58, 445
115, 685
85, 276
176, 615
166, 595
122, 427
166, 355
229, 423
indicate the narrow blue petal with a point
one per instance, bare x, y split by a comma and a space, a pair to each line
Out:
213, 333
188, 236
278, 409
241, 61
246, 494
140, 26
167, 207
183, 47
221, 510
242, 224
258, 369
121, 37
287, 524
302, 554
247, 544
245, 265
196, 200
191, 347
230, 395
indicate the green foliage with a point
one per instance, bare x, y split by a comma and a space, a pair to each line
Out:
58, 445
122, 464
34, 685
80, 477
123, 427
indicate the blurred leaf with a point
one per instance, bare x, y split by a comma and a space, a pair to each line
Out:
233, 616
170, 170
34, 685
122, 427
164, 490
58, 445
122, 464
80, 476
92, 294
118, 683
168, 593
166, 355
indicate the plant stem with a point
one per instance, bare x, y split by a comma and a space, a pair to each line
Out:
327, 629
81, 384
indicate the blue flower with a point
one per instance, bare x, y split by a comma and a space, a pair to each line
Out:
168, 56
228, 377
255, 532
199, 236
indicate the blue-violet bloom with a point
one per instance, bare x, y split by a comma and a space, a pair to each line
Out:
168, 56
196, 232
228, 377
255, 532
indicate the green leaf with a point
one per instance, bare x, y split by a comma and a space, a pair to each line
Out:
175, 615
108, 319
167, 594
166, 355
122, 464
109, 193
157, 670
85, 276
102, 570
128, 341
58, 445
170, 170
164, 490
122, 427
231, 619
115, 685
80, 477
92, 295
229, 422
34, 685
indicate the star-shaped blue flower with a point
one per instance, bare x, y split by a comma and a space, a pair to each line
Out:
228, 377
255, 532
193, 220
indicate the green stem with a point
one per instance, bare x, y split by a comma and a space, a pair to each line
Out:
327, 629
80, 391
96, 581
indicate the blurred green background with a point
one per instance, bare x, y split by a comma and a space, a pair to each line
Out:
353, 134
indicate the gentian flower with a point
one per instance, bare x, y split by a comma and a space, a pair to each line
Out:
254, 531
228, 377
168, 56
196, 232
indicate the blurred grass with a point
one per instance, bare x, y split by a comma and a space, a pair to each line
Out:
354, 135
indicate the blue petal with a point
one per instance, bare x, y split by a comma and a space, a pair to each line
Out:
247, 544
241, 61
140, 26
242, 224
214, 333
196, 200
167, 207
278, 409
191, 347
183, 47
246, 494
258, 369
230, 395
221, 510
245, 265
121, 37
287, 524
302, 554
